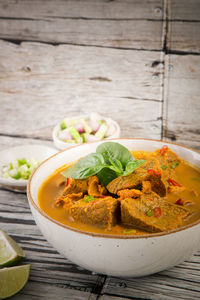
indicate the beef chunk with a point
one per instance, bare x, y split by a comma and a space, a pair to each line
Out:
94, 187
137, 177
100, 212
151, 213
134, 179
123, 194
76, 186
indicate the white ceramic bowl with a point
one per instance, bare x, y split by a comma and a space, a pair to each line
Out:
61, 145
114, 255
38, 152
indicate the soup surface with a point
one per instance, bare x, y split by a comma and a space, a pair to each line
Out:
161, 194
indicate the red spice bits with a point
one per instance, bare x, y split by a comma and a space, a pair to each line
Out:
67, 181
173, 182
154, 173
157, 212
179, 202
164, 150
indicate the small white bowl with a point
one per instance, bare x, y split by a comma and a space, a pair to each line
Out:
114, 255
38, 152
61, 145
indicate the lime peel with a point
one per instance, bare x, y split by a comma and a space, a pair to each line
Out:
12, 280
10, 251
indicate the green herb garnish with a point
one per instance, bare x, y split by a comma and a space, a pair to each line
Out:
88, 198
163, 167
174, 164
150, 212
110, 161
129, 231
63, 125
17, 175
21, 162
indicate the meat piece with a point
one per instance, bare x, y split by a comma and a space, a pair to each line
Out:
100, 212
146, 187
76, 186
94, 187
70, 198
158, 186
176, 189
133, 193
152, 214
134, 179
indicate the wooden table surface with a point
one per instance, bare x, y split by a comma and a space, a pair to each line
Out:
135, 61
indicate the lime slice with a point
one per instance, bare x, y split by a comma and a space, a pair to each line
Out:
10, 252
12, 280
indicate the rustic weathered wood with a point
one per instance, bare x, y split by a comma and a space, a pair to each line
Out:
181, 102
184, 10
184, 37
51, 82
183, 28
99, 23
106, 33
16, 220
7, 142
90, 9
180, 282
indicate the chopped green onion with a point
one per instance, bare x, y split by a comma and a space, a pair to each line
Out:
163, 167
21, 162
174, 164
149, 212
88, 198
63, 125
75, 134
129, 231
20, 169
17, 175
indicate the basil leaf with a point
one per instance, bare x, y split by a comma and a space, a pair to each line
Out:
106, 175
116, 166
85, 167
132, 165
115, 151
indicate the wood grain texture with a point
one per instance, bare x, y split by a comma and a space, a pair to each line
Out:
184, 37
181, 282
135, 34
48, 268
128, 24
51, 82
184, 10
181, 103
91, 9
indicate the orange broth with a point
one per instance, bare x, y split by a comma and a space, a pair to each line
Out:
187, 175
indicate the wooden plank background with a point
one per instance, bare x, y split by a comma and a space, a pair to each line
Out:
134, 61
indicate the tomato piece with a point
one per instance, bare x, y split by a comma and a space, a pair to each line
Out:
157, 212
67, 181
163, 150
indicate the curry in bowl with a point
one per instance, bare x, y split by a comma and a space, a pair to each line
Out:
118, 192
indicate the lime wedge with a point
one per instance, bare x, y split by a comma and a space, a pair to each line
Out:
12, 280
10, 252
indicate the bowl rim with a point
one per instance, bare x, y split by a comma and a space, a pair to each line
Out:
102, 235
